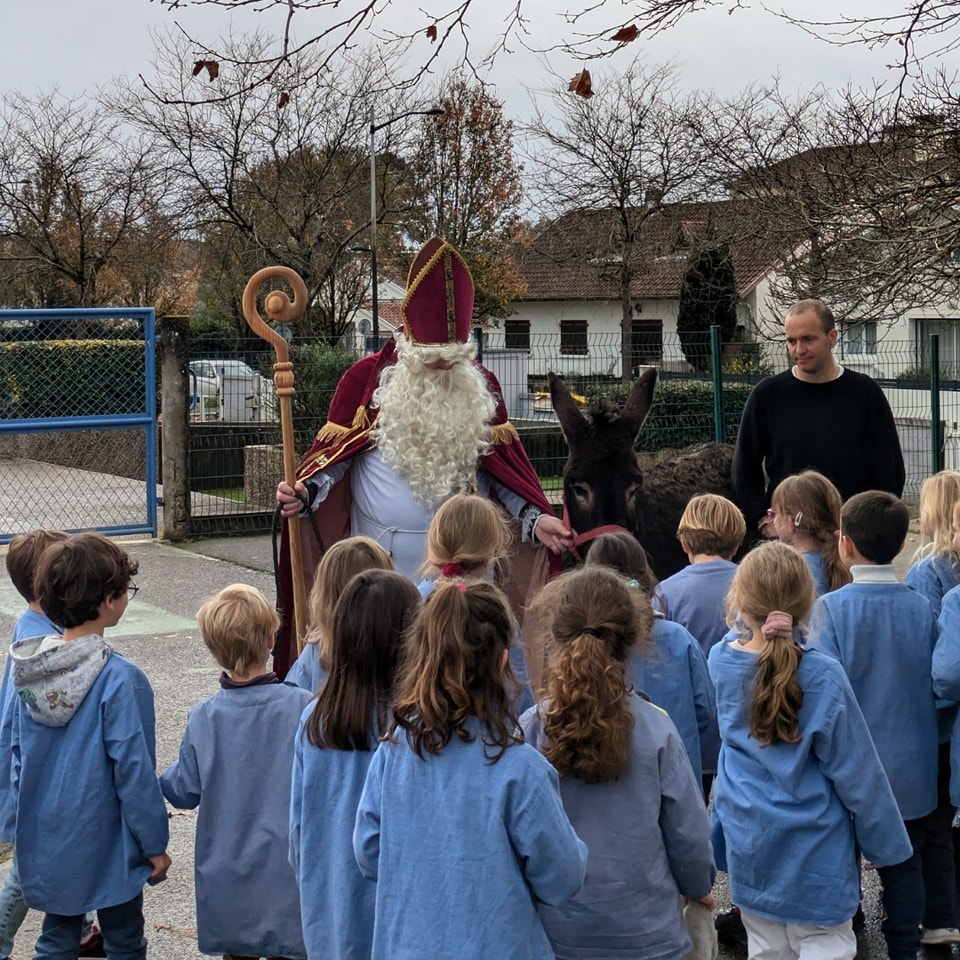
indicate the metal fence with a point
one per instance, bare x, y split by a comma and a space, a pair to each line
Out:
78, 404
235, 458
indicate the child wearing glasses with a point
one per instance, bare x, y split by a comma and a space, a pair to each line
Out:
84, 717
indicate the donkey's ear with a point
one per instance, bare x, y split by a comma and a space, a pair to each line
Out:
572, 421
635, 410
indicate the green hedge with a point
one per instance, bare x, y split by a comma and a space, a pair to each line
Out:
71, 378
682, 411
317, 369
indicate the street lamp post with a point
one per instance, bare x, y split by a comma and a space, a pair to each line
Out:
374, 127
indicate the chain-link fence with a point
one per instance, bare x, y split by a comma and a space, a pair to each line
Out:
78, 400
235, 455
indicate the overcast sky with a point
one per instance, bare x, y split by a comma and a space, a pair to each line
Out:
79, 45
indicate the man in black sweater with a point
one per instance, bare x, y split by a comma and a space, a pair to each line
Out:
816, 416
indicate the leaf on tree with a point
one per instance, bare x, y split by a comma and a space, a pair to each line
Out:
284, 100
581, 85
626, 34
432, 32
211, 66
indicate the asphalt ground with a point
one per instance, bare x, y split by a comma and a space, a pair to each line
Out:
159, 634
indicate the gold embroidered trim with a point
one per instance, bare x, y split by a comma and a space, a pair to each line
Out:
337, 434
504, 433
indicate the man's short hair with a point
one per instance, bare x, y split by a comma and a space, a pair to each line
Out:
76, 575
24, 555
712, 524
877, 523
823, 312
237, 625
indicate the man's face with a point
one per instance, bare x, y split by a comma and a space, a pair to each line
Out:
809, 347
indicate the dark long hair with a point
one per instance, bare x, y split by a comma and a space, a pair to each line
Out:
373, 611
451, 671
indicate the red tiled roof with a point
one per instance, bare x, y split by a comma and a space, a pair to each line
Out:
576, 256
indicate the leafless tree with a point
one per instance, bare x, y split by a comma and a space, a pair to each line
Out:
921, 29
279, 179
625, 153
75, 189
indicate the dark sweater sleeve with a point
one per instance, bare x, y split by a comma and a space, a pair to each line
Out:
748, 455
886, 456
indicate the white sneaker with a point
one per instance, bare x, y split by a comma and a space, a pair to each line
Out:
939, 935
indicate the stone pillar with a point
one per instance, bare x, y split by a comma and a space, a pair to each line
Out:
175, 428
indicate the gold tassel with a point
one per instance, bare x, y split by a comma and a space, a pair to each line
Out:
331, 432
504, 433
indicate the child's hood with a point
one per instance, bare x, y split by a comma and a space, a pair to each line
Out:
52, 683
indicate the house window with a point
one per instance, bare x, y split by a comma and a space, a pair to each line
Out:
646, 342
516, 334
948, 332
573, 338
861, 337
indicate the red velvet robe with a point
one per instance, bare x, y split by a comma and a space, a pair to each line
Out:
347, 433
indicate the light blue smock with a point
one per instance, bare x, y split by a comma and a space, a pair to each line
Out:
305, 672
462, 848
696, 598
89, 808
786, 815
946, 677
336, 900
674, 676
883, 635
235, 761
934, 576
649, 843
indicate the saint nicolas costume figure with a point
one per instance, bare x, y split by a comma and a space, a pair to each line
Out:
408, 427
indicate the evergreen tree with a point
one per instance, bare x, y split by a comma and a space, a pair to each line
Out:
708, 295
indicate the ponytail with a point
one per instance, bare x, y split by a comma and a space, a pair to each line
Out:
587, 722
777, 694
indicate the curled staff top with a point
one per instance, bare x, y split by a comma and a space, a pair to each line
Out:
278, 306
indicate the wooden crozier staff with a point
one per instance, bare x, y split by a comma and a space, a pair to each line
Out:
280, 310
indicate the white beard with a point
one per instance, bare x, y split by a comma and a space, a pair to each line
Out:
433, 425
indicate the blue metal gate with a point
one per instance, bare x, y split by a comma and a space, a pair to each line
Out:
78, 421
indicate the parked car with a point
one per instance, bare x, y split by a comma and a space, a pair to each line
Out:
230, 390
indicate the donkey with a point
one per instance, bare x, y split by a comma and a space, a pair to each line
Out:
604, 487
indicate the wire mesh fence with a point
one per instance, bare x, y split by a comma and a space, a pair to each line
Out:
236, 460
77, 420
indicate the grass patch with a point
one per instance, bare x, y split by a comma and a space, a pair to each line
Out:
226, 493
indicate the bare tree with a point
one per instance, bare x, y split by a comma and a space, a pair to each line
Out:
855, 191
74, 191
329, 28
624, 154
277, 179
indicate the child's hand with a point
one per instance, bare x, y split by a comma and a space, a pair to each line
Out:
161, 864
708, 901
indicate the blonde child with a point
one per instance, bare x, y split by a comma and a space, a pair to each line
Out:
799, 784
333, 748
625, 778
468, 536
805, 514
710, 531
461, 823
936, 564
344, 560
235, 761
665, 661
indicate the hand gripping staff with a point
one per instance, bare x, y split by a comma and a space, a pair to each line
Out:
279, 309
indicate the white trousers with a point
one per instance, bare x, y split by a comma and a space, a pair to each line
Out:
770, 940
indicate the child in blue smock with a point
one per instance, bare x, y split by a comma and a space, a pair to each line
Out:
665, 661
334, 746
468, 536
341, 562
711, 531
85, 717
805, 513
460, 822
936, 571
936, 566
625, 778
883, 634
235, 761
21, 562
799, 785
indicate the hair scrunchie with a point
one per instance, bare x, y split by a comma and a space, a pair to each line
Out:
778, 624
454, 569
